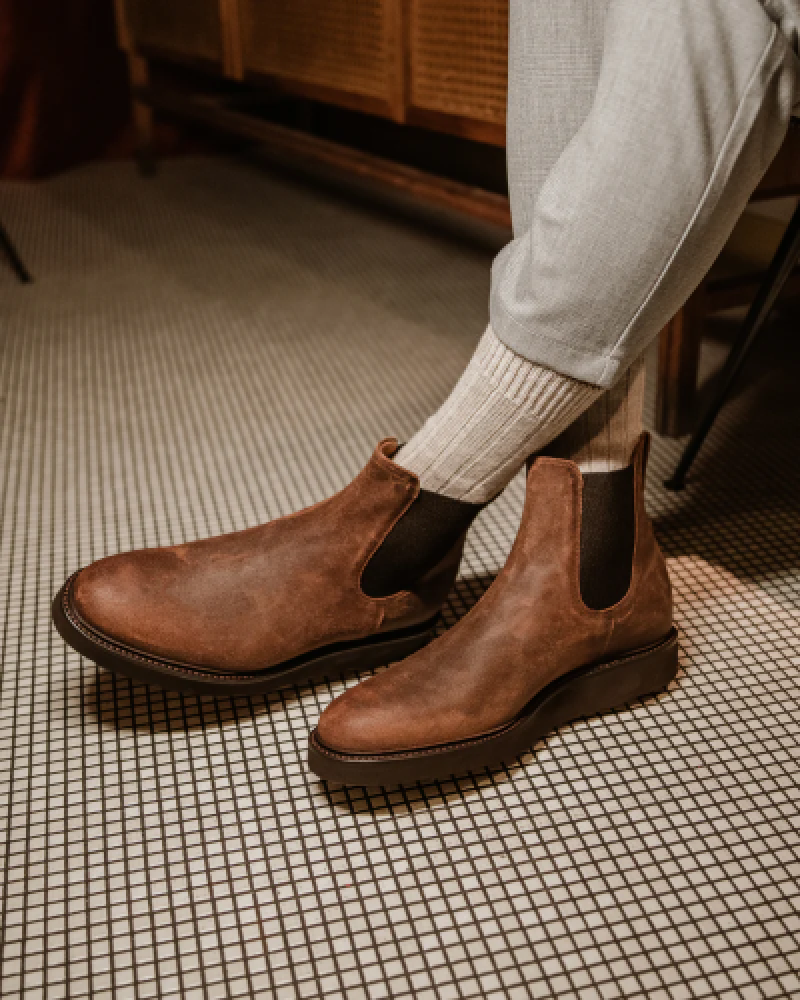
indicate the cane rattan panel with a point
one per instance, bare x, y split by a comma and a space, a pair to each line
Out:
184, 27
351, 46
458, 57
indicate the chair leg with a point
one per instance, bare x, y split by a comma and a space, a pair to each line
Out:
13, 256
783, 263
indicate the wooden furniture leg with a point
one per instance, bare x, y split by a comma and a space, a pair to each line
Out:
142, 116
678, 354
139, 76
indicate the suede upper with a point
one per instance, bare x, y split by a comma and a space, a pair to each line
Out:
256, 598
529, 628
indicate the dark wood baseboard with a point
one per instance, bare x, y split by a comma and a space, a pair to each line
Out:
301, 147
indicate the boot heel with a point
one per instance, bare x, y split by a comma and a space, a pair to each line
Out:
611, 685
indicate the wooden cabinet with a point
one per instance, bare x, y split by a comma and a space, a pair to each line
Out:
346, 52
436, 63
457, 64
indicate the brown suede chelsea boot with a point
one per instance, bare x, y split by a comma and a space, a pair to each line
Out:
353, 582
579, 621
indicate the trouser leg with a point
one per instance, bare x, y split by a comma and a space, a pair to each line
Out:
555, 54
636, 133
555, 48
692, 103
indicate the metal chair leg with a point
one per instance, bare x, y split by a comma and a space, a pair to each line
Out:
14, 258
781, 267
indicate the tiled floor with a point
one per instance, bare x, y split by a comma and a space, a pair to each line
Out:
220, 346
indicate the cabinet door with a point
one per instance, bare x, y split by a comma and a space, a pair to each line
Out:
459, 65
187, 28
345, 51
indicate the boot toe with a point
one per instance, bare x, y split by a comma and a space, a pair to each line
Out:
380, 716
358, 723
115, 595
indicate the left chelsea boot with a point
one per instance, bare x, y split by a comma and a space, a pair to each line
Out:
579, 621
353, 582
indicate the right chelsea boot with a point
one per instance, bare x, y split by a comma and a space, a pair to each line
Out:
353, 582
578, 621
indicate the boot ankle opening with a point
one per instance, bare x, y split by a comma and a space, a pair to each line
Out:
608, 524
418, 542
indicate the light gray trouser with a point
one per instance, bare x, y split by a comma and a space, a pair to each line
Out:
637, 131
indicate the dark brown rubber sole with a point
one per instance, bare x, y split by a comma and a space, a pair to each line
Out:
328, 661
584, 692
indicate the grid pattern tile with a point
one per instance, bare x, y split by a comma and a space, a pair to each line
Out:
219, 346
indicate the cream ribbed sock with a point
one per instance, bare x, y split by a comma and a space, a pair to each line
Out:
502, 409
602, 438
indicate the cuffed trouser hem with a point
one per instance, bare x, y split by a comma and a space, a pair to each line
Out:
601, 370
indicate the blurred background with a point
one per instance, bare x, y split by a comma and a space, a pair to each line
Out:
64, 89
